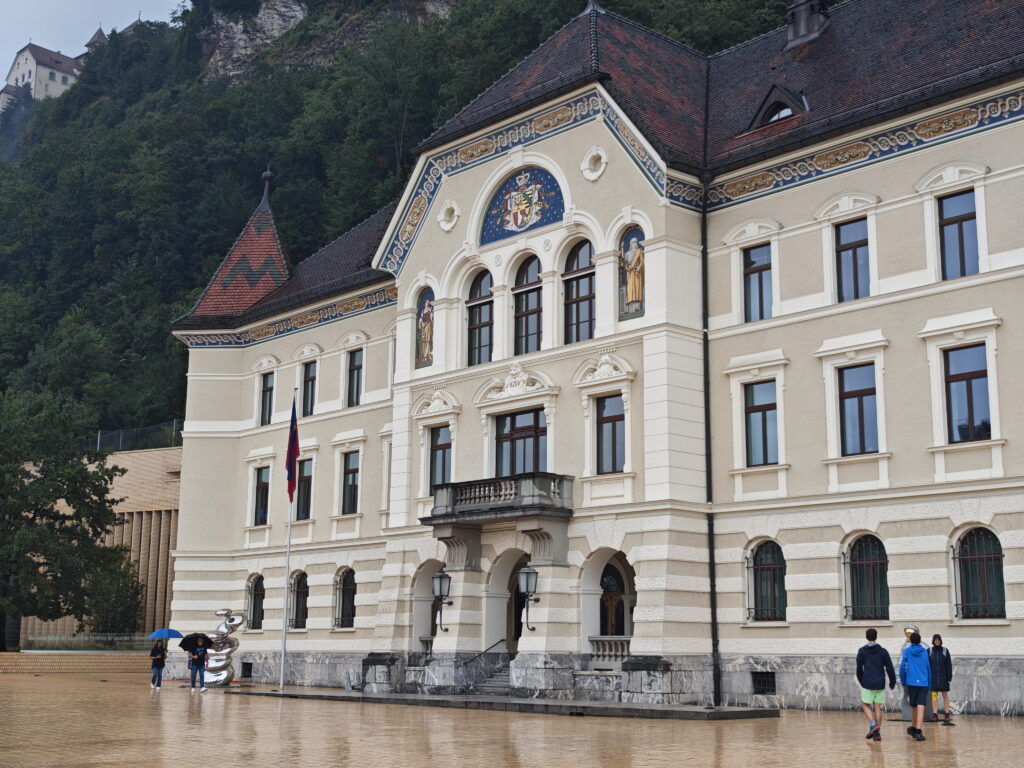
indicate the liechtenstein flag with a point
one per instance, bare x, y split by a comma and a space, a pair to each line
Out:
292, 457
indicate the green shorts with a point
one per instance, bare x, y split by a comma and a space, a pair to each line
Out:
872, 697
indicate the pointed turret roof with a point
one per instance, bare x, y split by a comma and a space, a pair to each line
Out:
255, 266
98, 38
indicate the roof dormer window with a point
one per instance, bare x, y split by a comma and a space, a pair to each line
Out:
780, 104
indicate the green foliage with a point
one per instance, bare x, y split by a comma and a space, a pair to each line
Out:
55, 505
128, 190
114, 595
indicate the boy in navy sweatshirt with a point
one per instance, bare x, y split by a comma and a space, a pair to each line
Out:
873, 664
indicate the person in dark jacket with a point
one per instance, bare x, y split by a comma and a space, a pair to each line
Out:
942, 674
197, 659
916, 676
157, 657
873, 664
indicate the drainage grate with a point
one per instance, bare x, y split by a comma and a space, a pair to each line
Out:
246, 670
764, 682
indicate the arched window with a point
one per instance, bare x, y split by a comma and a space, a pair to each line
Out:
345, 599
979, 561
257, 594
299, 601
613, 602
481, 319
579, 293
777, 111
768, 583
425, 328
527, 297
867, 568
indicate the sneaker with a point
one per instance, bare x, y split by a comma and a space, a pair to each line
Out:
872, 730
153, 685
158, 689
877, 736
918, 736
910, 731
935, 717
193, 690
202, 690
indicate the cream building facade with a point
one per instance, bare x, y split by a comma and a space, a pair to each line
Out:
732, 410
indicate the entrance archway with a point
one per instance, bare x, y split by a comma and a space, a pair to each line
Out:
503, 603
424, 606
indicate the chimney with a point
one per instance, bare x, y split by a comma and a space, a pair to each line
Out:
806, 20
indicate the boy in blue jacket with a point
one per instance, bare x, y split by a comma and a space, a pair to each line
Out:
873, 665
916, 676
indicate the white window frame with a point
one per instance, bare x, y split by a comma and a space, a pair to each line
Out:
751, 369
747, 235
352, 441
441, 409
308, 353
520, 390
843, 209
944, 181
266, 364
950, 332
354, 342
846, 352
258, 535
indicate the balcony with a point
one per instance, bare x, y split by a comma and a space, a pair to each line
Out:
608, 651
502, 498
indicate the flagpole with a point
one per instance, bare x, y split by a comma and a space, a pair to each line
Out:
288, 547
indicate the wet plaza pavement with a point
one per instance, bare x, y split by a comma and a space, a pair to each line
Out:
82, 722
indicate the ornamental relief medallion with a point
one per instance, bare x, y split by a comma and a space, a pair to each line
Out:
943, 124
851, 153
552, 120
749, 185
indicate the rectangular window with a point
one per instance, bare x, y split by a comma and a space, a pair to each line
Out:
579, 307
350, 484
611, 435
355, 377
853, 277
481, 331
521, 443
304, 490
858, 415
757, 282
261, 504
64, 80
762, 427
308, 388
967, 408
958, 230
267, 399
53, 76
440, 457
527, 320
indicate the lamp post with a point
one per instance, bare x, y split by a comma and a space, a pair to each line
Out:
442, 584
528, 587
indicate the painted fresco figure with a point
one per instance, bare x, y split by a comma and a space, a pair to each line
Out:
425, 329
631, 274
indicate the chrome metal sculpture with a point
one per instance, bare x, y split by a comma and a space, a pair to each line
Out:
219, 672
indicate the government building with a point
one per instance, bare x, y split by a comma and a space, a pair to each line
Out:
677, 372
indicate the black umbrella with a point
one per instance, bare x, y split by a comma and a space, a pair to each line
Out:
189, 642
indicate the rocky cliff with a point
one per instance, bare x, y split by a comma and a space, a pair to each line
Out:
234, 45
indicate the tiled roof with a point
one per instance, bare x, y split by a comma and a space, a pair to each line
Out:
340, 267
52, 59
873, 59
657, 81
255, 266
98, 37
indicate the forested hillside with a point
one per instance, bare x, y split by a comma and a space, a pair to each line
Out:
119, 199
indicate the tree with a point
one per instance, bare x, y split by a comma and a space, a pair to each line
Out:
114, 595
55, 506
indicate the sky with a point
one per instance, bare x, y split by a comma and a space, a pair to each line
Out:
66, 25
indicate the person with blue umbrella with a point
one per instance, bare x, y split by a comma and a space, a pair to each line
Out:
158, 656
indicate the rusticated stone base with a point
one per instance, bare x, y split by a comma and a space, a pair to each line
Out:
989, 686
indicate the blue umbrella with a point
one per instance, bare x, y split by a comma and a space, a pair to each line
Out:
164, 633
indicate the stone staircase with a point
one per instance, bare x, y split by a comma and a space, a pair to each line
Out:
495, 685
28, 663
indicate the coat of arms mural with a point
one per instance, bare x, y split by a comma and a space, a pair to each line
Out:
631, 274
528, 199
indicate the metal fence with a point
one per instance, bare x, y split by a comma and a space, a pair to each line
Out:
87, 641
166, 435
